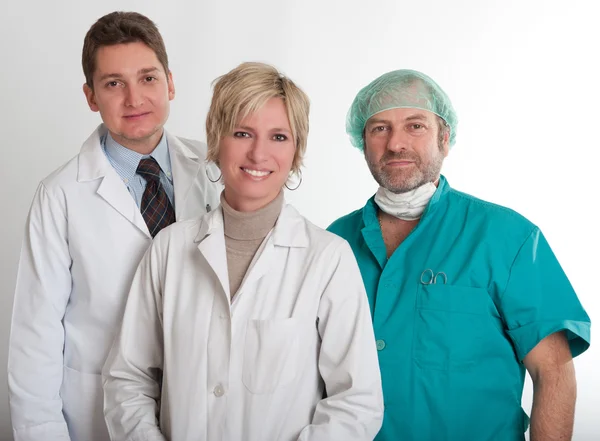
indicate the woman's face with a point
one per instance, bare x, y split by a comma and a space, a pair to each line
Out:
257, 157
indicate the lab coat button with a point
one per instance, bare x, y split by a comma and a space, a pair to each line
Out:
380, 345
219, 391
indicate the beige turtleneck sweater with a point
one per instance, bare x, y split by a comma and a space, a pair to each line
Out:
244, 232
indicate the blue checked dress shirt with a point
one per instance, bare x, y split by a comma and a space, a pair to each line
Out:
126, 161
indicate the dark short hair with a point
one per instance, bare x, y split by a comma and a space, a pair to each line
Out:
121, 28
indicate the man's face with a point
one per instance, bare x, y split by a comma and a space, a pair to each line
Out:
132, 93
403, 148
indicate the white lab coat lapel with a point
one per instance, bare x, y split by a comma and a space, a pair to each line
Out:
93, 164
185, 166
211, 243
259, 266
288, 232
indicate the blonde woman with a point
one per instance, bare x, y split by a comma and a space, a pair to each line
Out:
249, 323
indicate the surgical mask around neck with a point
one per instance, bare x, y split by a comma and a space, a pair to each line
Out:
406, 206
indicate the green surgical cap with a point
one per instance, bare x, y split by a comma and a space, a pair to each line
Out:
399, 89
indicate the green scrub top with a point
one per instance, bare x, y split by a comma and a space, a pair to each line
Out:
451, 352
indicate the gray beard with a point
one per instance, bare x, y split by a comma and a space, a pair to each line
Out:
416, 179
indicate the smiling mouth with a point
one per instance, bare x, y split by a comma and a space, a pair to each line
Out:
256, 173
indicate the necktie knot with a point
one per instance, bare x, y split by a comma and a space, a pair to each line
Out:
149, 169
155, 207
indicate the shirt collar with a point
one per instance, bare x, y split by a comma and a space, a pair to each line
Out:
127, 160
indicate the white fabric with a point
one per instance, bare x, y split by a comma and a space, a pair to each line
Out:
84, 238
254, 369
406, 206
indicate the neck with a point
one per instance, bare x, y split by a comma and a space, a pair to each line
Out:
143, 146
246, 205
407, 206
250, 225
394, 230
399, 213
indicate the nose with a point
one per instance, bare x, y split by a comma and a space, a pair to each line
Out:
134, 97
397, 141
258, 150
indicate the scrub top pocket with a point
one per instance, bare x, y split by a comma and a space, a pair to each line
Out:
450, 325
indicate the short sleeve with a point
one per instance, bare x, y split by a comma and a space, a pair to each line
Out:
539, 300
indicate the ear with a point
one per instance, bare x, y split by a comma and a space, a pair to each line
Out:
446, 143
171, 86
90, 97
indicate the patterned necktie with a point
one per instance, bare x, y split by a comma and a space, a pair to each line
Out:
156, 207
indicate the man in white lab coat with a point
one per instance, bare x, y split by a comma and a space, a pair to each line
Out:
89, 225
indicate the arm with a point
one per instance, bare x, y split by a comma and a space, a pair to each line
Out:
131, 374
554, 389
348, 362
547, 326
35, 355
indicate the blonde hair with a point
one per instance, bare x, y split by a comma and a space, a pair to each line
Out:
243, 91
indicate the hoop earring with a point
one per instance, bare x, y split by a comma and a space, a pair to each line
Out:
216, 180
296, 187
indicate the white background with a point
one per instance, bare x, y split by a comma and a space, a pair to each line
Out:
523, 76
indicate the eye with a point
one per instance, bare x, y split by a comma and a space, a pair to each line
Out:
377, 129
112, 84
280, 138
417, 126
241, 135
149, 79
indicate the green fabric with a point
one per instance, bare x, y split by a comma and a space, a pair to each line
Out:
394, 90
451, 354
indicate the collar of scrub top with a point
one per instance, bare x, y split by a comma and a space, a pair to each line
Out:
126, 161
372, 230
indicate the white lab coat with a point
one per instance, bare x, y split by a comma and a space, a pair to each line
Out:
84, 238
256, 368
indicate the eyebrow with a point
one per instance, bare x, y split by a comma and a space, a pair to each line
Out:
417, 116
377, 121
143, 71
414, 117
276, 129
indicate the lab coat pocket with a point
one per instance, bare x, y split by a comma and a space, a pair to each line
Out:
450, 322
271, 354
83, 403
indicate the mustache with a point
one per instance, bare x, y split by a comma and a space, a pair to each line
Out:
399, 156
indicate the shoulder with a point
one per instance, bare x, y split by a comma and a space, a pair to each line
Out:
320, 242
197, 147
180, 232
56, 187
64, 175
348, 224
488, 211
323, 236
